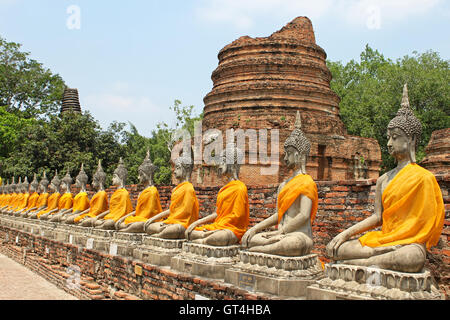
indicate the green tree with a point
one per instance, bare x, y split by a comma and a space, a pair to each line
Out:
371, 92
27, 88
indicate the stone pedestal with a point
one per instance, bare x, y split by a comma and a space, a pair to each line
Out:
99, 239
78, 235
158, 251
277, 275
62, 232
124, 243
204, 260
47, 229
347, 282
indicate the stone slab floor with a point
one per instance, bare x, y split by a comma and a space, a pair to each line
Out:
19, 283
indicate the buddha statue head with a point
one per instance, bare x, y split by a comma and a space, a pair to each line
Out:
19, 185
120, 175
297, 147
98, 180
404, 131
34, 184
231, 159
82, 179
146, 170
66, 182
44, 183
55, 183
183, 166
25, 185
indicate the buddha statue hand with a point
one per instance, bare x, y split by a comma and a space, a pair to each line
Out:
333, 246
247, 237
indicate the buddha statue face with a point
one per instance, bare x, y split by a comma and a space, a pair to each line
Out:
178, 171
116, 180
399, 143
292, 157
146, 170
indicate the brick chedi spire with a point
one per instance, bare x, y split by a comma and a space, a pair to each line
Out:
261, 83
70, 101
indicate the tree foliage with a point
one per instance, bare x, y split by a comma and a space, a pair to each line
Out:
371, 92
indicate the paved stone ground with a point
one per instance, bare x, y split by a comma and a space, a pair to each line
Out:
19, 283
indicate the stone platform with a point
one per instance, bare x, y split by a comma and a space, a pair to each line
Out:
277, 275
157, 251
124, 243
347, 282
204, 260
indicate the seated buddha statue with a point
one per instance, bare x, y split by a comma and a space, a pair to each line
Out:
97, 205
23, 201
32, 200
408, 207
52, 203
119, 204
42, 200
183, 209
7, 193
17, 198
148, 204
297, 201
229, 223
12, 198
65, 202
79, 203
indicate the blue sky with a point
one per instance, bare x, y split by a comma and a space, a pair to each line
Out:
131, 59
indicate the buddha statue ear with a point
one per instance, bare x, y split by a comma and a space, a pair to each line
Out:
412, 149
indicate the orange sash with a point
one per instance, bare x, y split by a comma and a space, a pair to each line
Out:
32, 200
80, 202
232, 209
97, 205
52, 203
300, 184
184, 205
23, 202
65, 202
119, 205
413, 210
148, 205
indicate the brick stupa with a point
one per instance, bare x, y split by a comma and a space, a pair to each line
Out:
437, 158
70, 101
260, 83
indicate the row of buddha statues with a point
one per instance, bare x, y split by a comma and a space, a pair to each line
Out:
408, 209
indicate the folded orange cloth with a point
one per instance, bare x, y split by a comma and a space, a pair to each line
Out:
148, 205
119, 205
300, 184
413, 210
184, 205
97, 205
232, 209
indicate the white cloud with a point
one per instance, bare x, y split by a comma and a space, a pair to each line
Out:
115, 102
366, 13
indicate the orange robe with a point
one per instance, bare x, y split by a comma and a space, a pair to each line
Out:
119, 205
65, 202
413, 210
80, 202
52, 203
22, 204
42, 201
97, 205
6, 200
32, 201
301, 184
148, 205
12, 201
232, 209
184, 205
